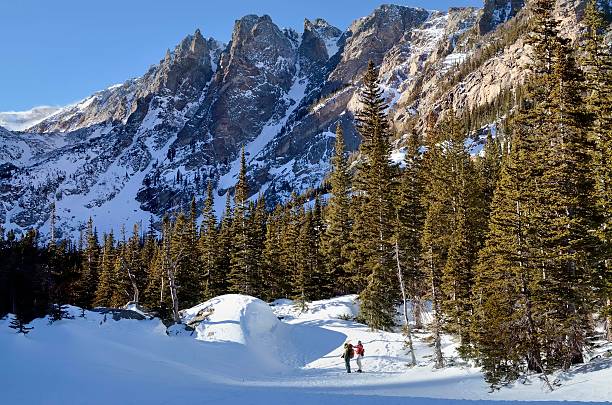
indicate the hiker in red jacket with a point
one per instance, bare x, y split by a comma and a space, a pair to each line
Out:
359, 352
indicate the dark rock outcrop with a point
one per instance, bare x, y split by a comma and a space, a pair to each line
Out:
497, 12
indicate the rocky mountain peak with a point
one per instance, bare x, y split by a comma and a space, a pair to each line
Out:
198, 43
369, 38
319, 43
496, 12
255, 72
322, 28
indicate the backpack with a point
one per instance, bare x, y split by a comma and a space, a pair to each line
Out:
351, 352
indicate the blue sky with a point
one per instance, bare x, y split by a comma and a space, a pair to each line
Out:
57, 52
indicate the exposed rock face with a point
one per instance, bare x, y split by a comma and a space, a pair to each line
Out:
146, 147
496, 12
369, 38
254, 74
320, 41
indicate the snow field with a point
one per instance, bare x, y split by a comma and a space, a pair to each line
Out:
242, 353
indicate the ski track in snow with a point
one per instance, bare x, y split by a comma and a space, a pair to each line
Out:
242, 354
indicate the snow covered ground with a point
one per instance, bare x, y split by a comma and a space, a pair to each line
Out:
241, 353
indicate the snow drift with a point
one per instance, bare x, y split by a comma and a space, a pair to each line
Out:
250, 322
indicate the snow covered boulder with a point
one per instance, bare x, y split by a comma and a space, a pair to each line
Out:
232, 318
250, 322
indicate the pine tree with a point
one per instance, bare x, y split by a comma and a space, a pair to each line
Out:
120, 294
258, 239
290, 232
242, 264
156, 294
134, 267
184, 253
224, 241
489, 168
171, 256
503, 277
375, 177
212, 281
89, 272
302, 276
462, 218
107, 283
20, 325
337, 220
275, 279
435, 235
355, 269
410, 217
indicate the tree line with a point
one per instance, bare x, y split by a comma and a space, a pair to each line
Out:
511, 247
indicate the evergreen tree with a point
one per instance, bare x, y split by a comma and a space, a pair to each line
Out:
375, 186
242, 264
275, 279
410, 217
184, 253
89, 272
435, 234
106, 283
212, 282
156, 294
20, 325
224, 241
258, 238
337, 228
462, 217
290, 232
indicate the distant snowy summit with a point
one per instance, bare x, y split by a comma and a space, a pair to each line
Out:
22, 120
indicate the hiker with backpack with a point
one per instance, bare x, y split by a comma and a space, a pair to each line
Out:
348, 355
359, 351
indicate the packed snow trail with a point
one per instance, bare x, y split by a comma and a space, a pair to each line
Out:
241, 353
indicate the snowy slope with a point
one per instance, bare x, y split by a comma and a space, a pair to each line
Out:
238, 355
21, 120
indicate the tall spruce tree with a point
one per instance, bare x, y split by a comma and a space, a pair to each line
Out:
212, 276
89, 271
107, 283
337, 222
275, 279
242, 262
375, 184
410, 218
185, 253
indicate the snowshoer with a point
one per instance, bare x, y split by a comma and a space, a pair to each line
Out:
359, 351
348, 355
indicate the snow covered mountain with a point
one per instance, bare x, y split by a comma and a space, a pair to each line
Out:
20, 120
145, 147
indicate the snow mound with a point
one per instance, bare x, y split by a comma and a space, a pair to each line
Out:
233, 318
250, 322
